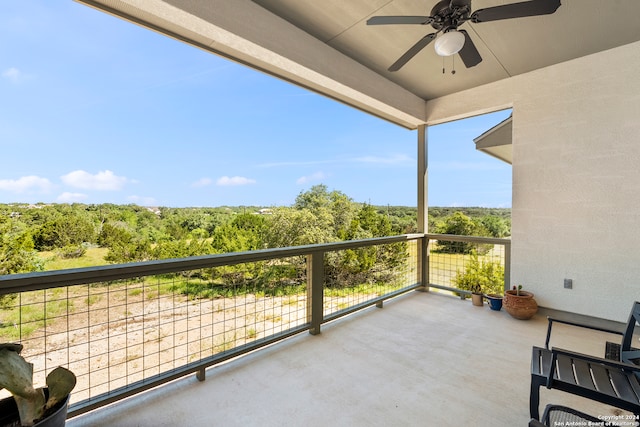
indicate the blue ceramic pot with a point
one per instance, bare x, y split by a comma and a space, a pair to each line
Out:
495, 302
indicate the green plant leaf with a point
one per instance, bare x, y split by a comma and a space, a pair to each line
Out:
60, 382
16, 375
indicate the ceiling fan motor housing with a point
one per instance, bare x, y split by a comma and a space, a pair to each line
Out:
447, 15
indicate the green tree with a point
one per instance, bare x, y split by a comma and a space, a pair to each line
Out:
69, 228
460, 224
17, 254
316, 198
113, 234
296, 227
334, 209
497, 227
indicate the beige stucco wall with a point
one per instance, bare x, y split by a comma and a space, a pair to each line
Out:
576, 178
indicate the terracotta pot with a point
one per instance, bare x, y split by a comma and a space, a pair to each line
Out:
521, 307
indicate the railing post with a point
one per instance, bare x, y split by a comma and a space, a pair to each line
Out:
315, 290
422, 256
507, 265
422, 252
201, 374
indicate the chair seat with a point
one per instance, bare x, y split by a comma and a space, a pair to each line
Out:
558, 415
583, 376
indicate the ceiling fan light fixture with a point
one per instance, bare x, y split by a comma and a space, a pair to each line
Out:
449, 43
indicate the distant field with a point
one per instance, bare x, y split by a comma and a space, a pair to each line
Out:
93, 257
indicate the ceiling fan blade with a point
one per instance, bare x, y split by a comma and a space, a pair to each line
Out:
386, 20
459, 3
469, 54
412, 52
516, 10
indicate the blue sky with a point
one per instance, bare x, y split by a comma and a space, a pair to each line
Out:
97, 110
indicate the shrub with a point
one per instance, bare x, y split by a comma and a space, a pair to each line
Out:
7, 301
73, 251
485, 277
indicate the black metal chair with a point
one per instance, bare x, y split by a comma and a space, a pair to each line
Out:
623, 351
607, 381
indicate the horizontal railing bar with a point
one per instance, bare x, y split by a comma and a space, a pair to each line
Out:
449, 288
149, 383
51, 279
471, 239
374, 301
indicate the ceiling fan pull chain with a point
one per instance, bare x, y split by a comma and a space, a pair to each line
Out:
453, 64
443, 65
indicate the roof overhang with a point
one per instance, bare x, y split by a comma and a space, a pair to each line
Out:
496, 141
327, 46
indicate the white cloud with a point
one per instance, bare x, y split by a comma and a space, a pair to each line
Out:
26, 184
143, 201
318, 176
68, 197
12, 74
202, 182
104, 180
234, 180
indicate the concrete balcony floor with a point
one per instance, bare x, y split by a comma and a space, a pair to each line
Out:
424, 359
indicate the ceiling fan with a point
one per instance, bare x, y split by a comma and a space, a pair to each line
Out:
447, 15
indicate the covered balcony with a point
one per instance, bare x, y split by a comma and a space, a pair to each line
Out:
390, 354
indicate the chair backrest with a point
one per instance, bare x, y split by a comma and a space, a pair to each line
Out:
634, 318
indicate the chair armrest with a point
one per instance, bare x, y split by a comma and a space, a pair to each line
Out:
631, 356
535, 423
580, 325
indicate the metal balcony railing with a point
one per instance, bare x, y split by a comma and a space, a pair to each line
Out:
450, 255
123, 329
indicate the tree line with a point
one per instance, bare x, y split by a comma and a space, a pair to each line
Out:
135, 233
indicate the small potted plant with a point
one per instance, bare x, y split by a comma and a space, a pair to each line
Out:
476, 294
29, 406
520, 304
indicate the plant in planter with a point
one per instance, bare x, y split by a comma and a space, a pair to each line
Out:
480, 278
476, 294
520, 304
44, 406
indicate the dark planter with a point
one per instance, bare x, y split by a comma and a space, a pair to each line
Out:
495, 301
9, 417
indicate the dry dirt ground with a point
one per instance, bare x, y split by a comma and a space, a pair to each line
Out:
113, 337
